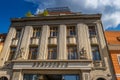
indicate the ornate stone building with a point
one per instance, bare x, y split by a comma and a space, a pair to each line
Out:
2, 39
113, 40
56, 47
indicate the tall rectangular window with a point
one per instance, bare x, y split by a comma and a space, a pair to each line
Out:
53, 31
52, 53
96, 53
33, 53
72, 52
12, 53
18, 33
71, 31
92, 30
118, 56
36, 32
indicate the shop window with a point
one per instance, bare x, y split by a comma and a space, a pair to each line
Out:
52, 53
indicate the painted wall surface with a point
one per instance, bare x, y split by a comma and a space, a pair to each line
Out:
112, 39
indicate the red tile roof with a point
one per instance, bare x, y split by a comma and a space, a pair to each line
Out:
112, 37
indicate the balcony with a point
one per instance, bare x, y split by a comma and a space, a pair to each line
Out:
14, 42
52, 40
34, 41
93, 39
71, 40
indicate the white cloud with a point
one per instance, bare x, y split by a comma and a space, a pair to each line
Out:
110, 9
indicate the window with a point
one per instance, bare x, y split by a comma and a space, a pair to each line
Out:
71, 31
36, 32
53, 31
92, 30
118, 59
52, 53
31, 77
18, 33
96, 53
71, 77
33, 53
51, 77
72, 52
12, 53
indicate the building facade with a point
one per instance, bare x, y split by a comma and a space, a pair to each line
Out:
113, 40
2, 39
56, 47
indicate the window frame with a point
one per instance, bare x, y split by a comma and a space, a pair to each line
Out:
92, 30
33, 55
96, 54
18, 33
51, 52
72, 50
37, 32
12, 53
53, 32
118, 57
71, 29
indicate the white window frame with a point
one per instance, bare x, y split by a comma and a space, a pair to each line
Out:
118, 57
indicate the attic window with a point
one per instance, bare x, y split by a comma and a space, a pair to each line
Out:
118, 38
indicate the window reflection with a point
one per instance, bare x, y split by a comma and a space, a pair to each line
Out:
51, 77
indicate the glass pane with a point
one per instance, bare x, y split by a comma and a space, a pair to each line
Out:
71, 77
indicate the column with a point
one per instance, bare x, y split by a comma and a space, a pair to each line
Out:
83, 39
26, 41
62, 53
17, 75
85, 75
43, 47
6, 48
104, 51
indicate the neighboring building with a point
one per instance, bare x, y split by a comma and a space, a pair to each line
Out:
113, 40
56, 47
2, 39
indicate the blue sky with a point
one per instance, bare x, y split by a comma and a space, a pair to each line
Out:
17, 8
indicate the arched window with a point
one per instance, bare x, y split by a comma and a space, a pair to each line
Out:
3, 78
101, 79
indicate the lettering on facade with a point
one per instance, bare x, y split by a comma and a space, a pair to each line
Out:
50, 64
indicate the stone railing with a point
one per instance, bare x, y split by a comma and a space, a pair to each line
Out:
52, 40
93, 39
14, 42
71, 40
34, 41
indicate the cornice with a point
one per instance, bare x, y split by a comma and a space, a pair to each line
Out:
63, 17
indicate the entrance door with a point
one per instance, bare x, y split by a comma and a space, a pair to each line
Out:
3, 78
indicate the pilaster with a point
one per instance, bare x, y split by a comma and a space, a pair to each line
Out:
43, 46
6, 48
24, 47
83, 39
62, 53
